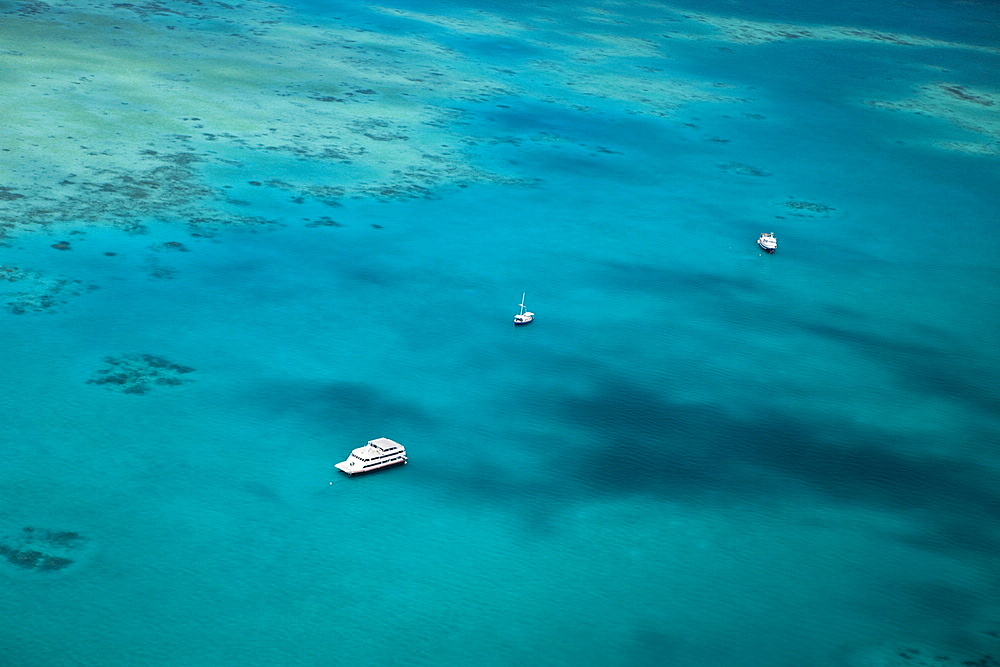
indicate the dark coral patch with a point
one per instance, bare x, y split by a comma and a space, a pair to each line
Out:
963, 94
743, 169
34, 292
160, 272
324, 222
170, 245
807, 207
136, 374
8, 194
40, 550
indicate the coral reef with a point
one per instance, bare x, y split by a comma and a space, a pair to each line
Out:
920, 655
367, 110
323, 221
743, 169
146, 156
36, 292
971, 109
808, 208
745, 31
137, 373
160, 272
176, 246
40, 550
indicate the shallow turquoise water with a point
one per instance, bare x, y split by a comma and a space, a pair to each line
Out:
697, 455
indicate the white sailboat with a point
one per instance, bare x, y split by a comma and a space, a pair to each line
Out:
523, 317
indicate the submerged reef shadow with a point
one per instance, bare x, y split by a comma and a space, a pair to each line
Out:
334, 404
39, 550
138, 373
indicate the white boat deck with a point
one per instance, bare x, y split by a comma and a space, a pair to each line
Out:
377, 454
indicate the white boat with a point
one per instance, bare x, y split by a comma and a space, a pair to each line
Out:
767, 242
523, 317
378, 454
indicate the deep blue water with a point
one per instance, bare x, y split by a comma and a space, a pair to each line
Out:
698, 454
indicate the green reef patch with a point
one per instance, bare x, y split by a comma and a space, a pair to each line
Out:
138, 373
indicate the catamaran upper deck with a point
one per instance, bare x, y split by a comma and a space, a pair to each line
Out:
377, 454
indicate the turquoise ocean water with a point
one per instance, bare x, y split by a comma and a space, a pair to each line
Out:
241, 240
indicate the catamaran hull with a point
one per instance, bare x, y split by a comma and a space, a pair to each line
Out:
371, 470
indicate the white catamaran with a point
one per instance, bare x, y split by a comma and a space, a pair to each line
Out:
378, 454
767, 242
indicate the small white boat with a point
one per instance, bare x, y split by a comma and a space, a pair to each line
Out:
523, 317
378, 454
767, 242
